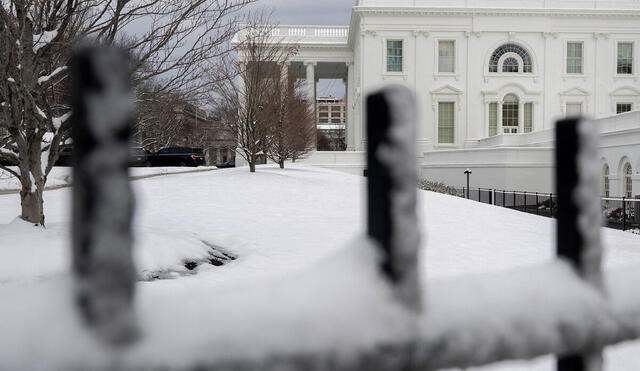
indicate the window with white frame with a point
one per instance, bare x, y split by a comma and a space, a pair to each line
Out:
497, 62
510, 64
510, 114
446, 122
574, 109
625, 58
623, 108
606, 186
446, 56
627, 172
395, 55
574, 57
493, 119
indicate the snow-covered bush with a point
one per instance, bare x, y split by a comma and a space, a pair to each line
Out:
439, 187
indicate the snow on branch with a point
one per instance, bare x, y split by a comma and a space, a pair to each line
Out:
58, 121
41, 113
41, 40
44, 79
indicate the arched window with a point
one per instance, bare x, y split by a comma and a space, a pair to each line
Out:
627, 172
510, 114
606, 191
510, 65
510, 49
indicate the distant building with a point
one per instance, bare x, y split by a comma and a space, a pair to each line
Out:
331, 118
203, 130
331, 110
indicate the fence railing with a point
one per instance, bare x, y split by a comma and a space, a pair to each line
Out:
433, 323
618, 212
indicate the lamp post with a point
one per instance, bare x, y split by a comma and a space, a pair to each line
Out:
468, 173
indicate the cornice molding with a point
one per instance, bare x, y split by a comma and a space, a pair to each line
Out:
601, 35
580, 13
371, 32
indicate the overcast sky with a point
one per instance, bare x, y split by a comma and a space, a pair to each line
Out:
310, 12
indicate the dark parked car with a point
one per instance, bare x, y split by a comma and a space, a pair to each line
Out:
8, 160
138, 157
177, 156
226, 165
65, 157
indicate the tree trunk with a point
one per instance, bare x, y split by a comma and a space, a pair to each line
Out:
32, 206
281, 164
252, 166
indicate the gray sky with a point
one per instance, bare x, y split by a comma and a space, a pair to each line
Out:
310, 12
313, 12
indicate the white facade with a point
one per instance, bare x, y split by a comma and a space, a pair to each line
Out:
491, 77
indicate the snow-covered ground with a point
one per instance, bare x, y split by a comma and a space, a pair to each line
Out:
295, 232
61, 176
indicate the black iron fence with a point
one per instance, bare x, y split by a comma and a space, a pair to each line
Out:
618, 213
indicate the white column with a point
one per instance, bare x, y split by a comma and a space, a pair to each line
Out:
351, 135
311, 83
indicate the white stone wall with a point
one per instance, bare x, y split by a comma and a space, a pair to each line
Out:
620, 144
477, 34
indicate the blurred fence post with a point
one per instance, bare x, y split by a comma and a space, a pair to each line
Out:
579, 214
392, 191
102, 197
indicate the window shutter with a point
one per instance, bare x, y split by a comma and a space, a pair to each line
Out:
446, 122
493, 119
528, 117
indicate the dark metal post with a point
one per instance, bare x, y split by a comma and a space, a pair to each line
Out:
579, 216
525, 203
504, 198
537, 203
103, 202
624, 213
468, 173
392, 191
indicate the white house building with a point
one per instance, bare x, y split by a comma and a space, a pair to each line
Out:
491, 77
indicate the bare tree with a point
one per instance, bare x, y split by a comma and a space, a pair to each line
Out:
292, 123
160, 119
245, 87
178, 37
